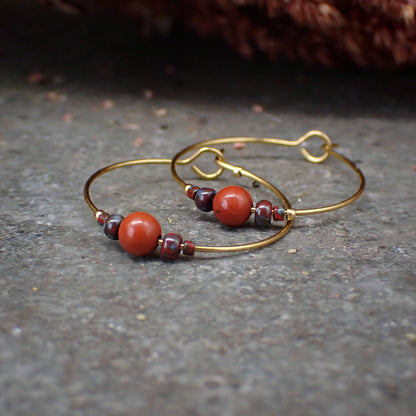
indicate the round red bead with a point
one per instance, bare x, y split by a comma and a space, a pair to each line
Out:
139, 233
232, 205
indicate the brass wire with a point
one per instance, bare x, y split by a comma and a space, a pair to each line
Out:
219, 158
327, 147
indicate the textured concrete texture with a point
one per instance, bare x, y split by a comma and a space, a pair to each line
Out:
85, 329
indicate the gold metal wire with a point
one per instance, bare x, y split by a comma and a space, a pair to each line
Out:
327, 148
219, 159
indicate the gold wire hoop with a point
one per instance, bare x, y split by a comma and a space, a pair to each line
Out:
219, 157
290, 213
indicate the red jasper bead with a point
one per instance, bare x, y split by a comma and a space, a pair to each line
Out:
139, 233
232, 205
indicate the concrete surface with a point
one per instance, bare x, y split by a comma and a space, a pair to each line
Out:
85, 329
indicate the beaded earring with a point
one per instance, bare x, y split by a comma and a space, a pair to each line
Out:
140, 233
233, 205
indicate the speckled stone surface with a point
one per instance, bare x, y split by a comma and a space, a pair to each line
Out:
86, 329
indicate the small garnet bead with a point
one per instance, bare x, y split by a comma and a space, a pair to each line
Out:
139, 233
263, 214
188, 248
278, 214
102, 218
112, 226
203, 199
192, 190
171, 246
232, 206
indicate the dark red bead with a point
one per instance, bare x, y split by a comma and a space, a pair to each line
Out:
203, 199
139, 233
111, 226
278, 214
188, 248
232, 206
171, 246
193, 189
263, 214
102, 217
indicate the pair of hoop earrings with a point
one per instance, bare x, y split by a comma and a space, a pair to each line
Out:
140, 233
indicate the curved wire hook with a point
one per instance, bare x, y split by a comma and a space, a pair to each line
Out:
197, 155
306, 154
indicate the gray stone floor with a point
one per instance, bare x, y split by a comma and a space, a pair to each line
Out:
86, 329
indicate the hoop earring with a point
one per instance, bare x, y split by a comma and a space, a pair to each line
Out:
233, 205
140, 233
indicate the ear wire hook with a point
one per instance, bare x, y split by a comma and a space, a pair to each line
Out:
326, 146
219, 156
